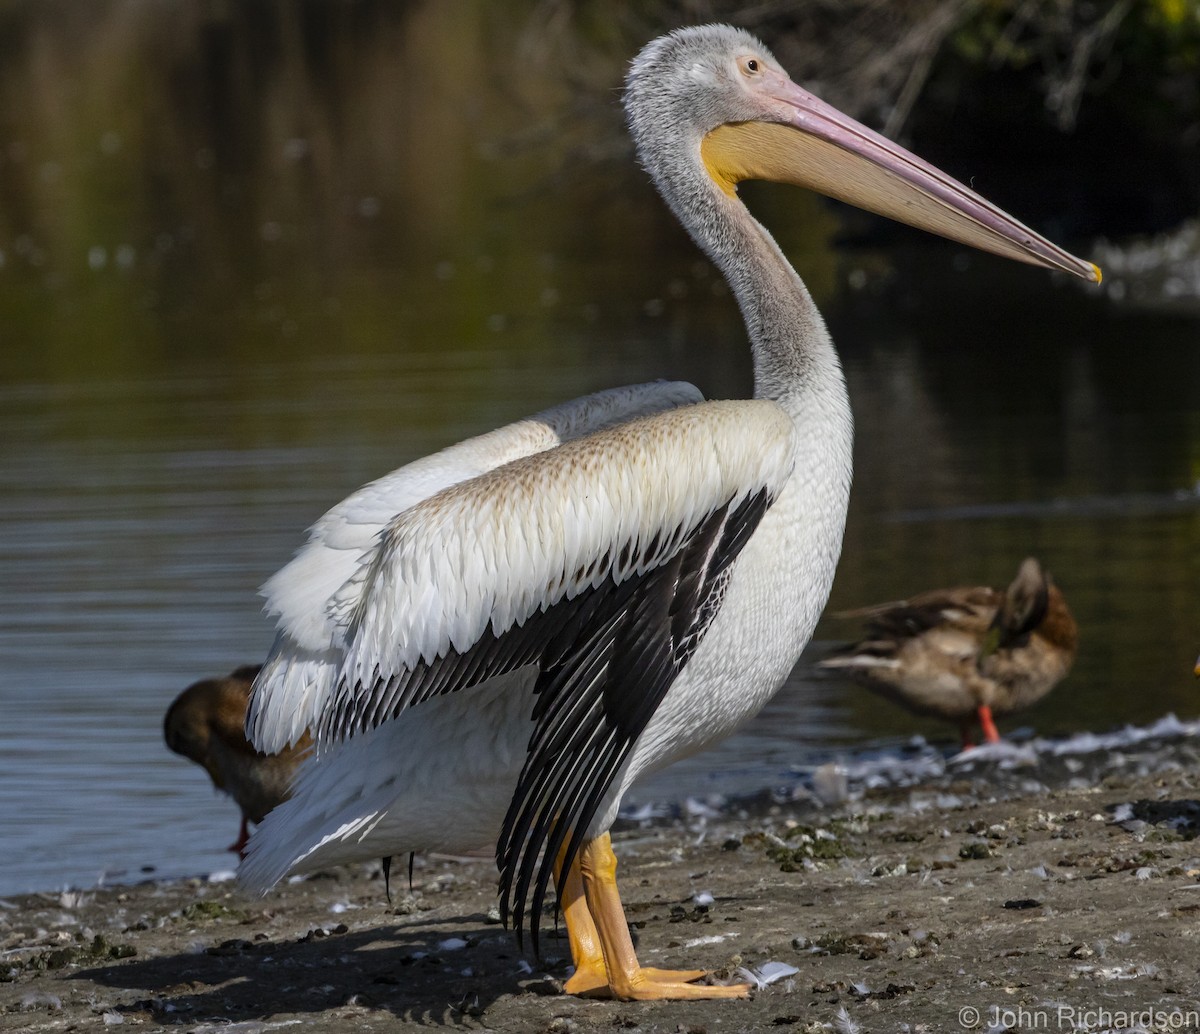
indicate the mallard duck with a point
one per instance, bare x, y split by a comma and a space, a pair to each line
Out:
206, 723
966, 654
493, 643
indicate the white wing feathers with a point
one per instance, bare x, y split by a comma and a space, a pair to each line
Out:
490, 552
298, 593
299, 672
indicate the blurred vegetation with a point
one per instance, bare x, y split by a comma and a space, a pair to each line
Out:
1105, 95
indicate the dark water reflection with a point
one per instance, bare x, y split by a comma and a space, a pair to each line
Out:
247, 263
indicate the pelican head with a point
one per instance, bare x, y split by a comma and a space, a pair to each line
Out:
741, 117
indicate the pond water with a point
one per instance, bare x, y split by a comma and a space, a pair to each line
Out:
244, 279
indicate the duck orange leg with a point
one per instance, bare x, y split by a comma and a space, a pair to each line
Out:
625, 977
990, 734
238, 847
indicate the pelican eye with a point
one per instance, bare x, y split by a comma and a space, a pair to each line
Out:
750, 65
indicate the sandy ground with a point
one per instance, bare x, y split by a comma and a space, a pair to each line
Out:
984, 899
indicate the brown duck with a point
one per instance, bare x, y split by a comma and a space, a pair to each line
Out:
206, 723
966, 653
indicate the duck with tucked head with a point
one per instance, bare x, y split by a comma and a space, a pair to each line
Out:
492, 644
966, 654
206, 723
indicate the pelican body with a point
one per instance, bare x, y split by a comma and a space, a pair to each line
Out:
966, 653
490, 645
206, 723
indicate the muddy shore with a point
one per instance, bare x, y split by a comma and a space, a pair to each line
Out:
984, 898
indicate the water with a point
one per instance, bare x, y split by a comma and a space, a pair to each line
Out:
232, 292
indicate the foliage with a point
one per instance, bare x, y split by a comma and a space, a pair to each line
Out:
1077, 48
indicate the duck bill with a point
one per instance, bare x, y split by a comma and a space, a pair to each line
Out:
820, 148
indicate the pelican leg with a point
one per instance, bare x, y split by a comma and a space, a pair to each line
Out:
590, 976
627, 980
990, 734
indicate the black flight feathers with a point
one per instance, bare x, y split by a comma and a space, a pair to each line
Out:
601, 681
606, 659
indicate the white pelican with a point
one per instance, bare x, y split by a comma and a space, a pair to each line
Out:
498, 660
966, 653
206, 724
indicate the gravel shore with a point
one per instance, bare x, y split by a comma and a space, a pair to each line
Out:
986, 898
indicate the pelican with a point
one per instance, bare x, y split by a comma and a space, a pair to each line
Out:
492, 644
966, 653
205, 723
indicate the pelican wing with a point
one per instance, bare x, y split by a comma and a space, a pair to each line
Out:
601, 563
465, 585
299, 673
